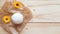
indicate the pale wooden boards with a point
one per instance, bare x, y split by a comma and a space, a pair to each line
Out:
39, 28
43, 11
42, 28
49, 13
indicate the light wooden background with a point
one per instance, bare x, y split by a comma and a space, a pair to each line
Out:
46, 17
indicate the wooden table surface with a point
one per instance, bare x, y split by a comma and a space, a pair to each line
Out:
39, 28
46, 17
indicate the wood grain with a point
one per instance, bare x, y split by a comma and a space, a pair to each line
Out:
39, 28
44, 11
46, 17
42, 28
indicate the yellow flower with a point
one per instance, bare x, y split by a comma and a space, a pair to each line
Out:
6, 19
17, 4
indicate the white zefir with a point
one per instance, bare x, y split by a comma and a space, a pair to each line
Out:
17, 18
